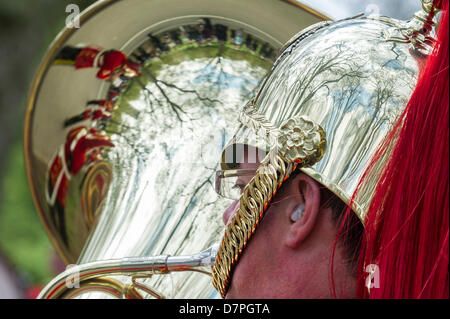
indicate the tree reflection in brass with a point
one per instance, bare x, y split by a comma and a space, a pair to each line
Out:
169, 130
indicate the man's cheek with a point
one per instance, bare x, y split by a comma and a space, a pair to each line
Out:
237, 288
244, 274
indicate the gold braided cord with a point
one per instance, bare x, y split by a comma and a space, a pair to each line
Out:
254, 201
298, 142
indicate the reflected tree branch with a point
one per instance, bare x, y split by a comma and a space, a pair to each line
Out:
175, 106
203, 99
187, 209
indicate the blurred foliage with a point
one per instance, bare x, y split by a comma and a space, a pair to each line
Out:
27, 27
21, 234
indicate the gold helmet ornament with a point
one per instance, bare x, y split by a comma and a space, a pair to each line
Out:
333, 94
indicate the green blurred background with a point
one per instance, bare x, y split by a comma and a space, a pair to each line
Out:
27, 27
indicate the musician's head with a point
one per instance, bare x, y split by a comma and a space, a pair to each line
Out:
291, 253
332, 96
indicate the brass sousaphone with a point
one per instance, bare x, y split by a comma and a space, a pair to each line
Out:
121, 160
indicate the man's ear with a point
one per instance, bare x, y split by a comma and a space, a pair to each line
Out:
300, 229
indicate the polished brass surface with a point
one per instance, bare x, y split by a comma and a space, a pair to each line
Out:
94, 189
148, 192
95, 276
109, 286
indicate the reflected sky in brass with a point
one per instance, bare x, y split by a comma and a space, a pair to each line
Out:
169, 131
181, 110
